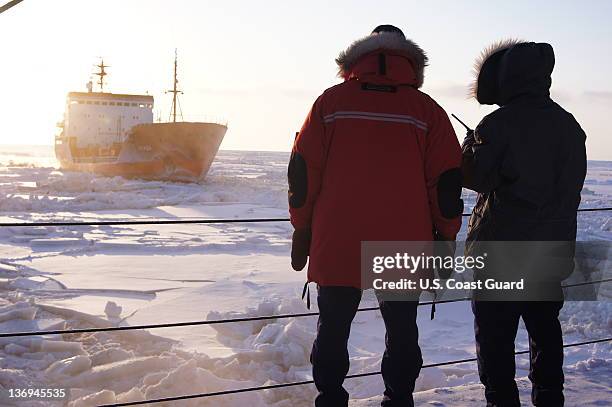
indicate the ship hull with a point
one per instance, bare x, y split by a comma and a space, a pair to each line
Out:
156, 151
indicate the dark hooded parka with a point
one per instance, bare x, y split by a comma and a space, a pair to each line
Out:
527, 159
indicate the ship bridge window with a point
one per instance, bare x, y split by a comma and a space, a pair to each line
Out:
134, 104
111, 103
89, 102
141, 105
104, 103
96, 102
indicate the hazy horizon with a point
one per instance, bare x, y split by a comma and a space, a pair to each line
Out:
50, 147
260, 67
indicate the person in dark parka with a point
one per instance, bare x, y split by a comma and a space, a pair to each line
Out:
527, 161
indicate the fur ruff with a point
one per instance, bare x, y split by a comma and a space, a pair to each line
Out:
387, 41
501, 45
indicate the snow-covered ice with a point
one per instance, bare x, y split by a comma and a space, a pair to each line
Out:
89, 276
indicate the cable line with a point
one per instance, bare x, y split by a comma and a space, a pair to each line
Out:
185, 221
9, 5
232, 320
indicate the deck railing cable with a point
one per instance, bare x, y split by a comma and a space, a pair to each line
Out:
233, 320
184, 221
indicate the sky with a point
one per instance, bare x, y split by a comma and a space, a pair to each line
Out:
259, 65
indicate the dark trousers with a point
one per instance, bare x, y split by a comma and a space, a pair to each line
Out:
401, 362
496, 325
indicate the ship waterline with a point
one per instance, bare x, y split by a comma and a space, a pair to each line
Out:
181, 151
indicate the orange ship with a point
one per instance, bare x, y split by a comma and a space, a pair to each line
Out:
114, 135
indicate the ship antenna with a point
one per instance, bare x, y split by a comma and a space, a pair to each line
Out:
101, 73
175, 91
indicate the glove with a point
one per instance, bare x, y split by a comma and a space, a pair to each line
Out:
468, 142
444, 247
300, 248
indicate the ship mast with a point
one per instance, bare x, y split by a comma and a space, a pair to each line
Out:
101, 73
175, 91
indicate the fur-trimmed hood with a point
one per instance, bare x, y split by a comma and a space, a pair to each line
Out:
388, 41
511, 68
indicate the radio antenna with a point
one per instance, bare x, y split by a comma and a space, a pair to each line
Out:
175, 91
101, 73
463, 124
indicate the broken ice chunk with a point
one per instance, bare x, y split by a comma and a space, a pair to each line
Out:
112, 310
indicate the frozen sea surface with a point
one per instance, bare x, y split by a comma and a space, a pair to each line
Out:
85, 276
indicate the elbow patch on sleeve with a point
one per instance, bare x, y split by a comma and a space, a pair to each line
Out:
298, 180
449, 193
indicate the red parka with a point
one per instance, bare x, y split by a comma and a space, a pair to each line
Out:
376, 160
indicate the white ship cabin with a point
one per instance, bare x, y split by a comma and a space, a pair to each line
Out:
93, 119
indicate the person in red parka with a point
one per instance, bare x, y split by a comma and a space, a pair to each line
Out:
376, 160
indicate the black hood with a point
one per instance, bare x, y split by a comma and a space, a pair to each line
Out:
511, 69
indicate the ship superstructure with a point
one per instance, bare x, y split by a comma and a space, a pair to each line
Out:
114, 134
97, 124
